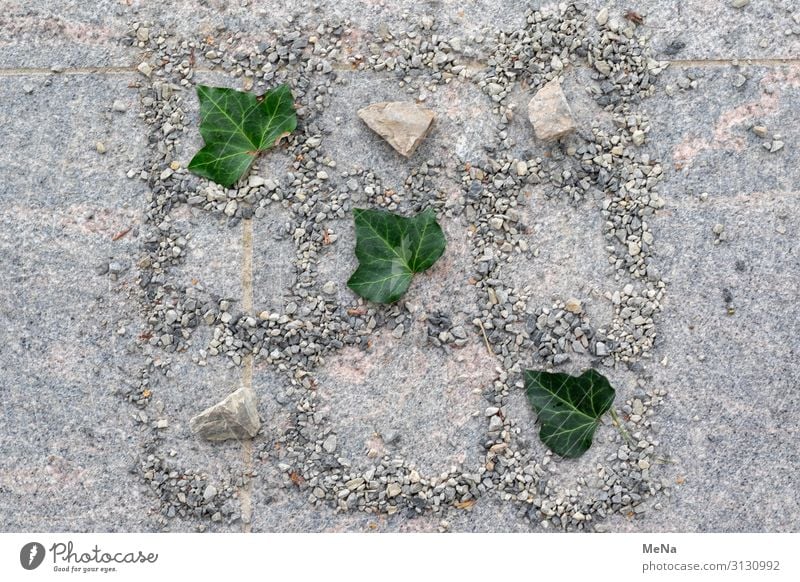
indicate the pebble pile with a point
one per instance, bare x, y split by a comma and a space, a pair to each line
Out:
604, 168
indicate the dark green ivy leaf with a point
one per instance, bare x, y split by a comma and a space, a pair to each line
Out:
390, 249
569, 408
236, 127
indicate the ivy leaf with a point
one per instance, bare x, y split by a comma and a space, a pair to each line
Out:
569, 408
236, 127
390, 249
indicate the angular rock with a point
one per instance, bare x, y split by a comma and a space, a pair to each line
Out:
549, 112
145, 69
209, 493
401, 123
236, 417
393, 490
330, 443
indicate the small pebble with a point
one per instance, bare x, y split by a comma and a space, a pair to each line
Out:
209, 493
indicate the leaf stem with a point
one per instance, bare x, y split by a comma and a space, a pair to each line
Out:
619, 426
485, 338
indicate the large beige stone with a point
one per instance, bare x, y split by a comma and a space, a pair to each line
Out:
401, 123
549, 112
236, 417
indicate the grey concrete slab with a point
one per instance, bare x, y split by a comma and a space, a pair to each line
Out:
51, 126
69, 34
67, 450
566, 256
183, 391
695, 29
275, 405
213, 260
446, 287
728, 422
67, 332
434, 408
726, 339
274, 252
706, 132
458, 132
337, 261
68, 457
67, 336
